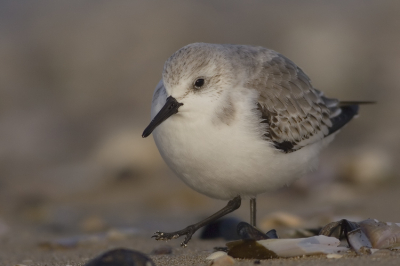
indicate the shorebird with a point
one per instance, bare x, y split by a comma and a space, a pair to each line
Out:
235, 121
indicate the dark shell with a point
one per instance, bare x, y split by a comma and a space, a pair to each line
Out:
248, 232
121, 257
368, 233
339, 227
222, 228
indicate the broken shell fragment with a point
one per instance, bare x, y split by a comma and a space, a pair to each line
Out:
381, 234
271, 234
357, 239
274, 248
369, 233
248, 232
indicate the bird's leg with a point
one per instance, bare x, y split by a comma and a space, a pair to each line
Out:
232, 205
253, 211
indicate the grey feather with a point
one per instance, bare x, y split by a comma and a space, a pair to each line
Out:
297, 114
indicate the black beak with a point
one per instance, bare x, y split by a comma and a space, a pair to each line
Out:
170, 108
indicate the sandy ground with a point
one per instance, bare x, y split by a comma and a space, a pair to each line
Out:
29, 243
28, 253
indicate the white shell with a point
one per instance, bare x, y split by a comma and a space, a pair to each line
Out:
304, 246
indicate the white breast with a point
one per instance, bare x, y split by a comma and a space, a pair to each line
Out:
223, 161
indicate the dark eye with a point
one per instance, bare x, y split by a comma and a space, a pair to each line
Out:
198, 83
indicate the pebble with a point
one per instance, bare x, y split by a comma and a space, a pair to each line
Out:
334, 256
121, 257
373, 250
223, 261
216, 255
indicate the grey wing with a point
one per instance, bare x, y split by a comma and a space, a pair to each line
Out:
297, 113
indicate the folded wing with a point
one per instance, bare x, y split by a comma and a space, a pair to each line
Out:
297, 114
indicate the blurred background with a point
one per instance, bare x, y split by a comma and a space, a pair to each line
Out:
76, 82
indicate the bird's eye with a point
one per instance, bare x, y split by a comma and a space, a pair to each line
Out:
199, 83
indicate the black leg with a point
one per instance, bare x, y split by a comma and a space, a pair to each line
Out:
253, 211
232, 205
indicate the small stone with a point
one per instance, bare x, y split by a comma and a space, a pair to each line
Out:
334, 256
121, 257
216, 255
364, 251
223, 261
373, 250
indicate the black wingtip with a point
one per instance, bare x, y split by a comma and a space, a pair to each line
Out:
348, 112
347, 103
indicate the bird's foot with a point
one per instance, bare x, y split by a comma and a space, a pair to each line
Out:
188, 231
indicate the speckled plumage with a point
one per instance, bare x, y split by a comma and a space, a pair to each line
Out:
255, 125
295, 111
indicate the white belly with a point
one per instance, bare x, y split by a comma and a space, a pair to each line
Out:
223, 161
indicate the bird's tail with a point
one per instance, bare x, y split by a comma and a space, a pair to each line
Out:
349, 109
347, 103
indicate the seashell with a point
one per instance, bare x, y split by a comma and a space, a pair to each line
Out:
344, 226
369, 233
271, 234
357, 239
381, 234
222, 228
248, 232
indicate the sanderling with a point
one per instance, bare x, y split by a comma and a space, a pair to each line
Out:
235, 121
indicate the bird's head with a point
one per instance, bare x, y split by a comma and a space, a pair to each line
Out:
194, 78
